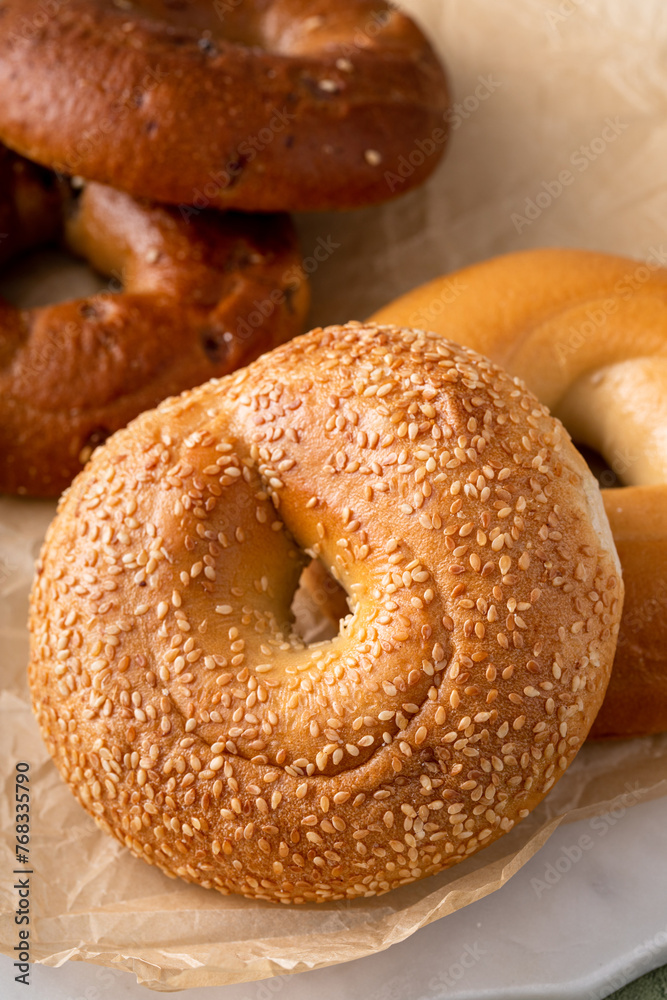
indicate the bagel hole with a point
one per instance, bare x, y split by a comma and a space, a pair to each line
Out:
45, 277
95, 437
319, 604
607, 478
215, 344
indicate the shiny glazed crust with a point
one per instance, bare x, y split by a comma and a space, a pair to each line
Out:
272, 105
199, 298
193, 723
588, 334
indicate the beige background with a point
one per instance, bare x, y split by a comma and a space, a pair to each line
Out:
560, 68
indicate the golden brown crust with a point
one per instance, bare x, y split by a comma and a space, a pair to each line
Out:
192, 722
588, 334
272, 105
200, 298
636, 699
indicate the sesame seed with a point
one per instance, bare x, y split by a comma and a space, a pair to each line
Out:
448, 677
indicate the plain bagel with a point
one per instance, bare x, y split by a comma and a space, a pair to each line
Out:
264, 105
193, 723
198, 299
587, 332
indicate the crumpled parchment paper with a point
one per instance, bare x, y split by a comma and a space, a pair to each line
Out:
540, 87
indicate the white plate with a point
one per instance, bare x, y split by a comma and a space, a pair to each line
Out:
585, 916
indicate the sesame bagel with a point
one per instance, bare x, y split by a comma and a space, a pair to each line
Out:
198, 299
587, 332
262, 105
196, 726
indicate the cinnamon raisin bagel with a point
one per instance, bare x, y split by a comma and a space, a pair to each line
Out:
196, 726
199, 299
588, 334
262, 105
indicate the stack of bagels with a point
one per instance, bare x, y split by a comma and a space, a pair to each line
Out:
480, 588
176, 122
587, 332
